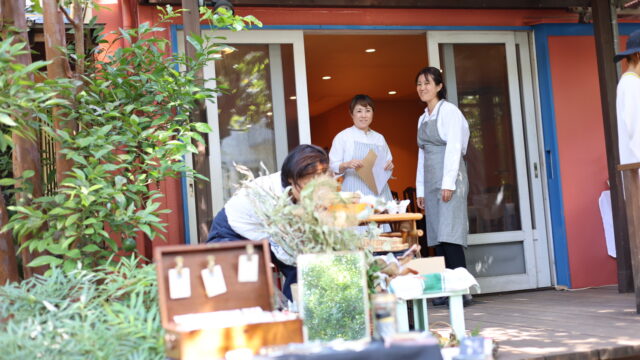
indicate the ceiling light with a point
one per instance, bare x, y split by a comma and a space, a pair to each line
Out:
392, 92
292, 97
327, 77
370, 50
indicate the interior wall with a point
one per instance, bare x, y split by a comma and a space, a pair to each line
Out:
583, 167
397, 121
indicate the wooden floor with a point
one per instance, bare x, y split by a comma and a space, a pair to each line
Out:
596, 323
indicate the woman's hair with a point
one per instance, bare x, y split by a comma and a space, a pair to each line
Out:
302, 161
436, 75
362, 100
633, 59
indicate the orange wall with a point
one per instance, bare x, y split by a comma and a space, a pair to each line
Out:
397, 121
583, 163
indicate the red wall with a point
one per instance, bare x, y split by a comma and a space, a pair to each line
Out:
397, 121
583, 163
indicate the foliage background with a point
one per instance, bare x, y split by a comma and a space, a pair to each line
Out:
107, 313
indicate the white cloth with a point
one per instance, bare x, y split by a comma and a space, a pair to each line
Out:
452, 128
243, 219
344, 143
607, 222
628, 112
459, 279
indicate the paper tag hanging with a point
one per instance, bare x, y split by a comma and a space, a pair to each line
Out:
179, 283
248, 266
214, 281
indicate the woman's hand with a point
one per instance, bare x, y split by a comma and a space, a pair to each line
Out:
352, 164
420, 202
446, 195
388, 165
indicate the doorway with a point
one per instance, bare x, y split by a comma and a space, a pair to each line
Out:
489, 76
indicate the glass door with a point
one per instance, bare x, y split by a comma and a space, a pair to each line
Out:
485, 76
262, 114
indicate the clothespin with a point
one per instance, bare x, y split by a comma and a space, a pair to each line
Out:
250, 249
179, 264
211, 260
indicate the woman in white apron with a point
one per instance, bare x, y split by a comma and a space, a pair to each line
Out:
442, 185
352, 144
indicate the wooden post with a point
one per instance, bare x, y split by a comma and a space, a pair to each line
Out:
204, 205
607, 74
54, 41
631, 175
26, 152
8, 263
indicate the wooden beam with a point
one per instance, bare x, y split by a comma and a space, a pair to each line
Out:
431, 4
417, 4
603, 21
204, 201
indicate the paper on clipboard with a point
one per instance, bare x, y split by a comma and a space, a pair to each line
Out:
373, 173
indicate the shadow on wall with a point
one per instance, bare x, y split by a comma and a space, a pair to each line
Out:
397, 121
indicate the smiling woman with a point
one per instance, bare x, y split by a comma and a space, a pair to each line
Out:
351, 145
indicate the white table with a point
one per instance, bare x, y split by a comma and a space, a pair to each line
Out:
420, 313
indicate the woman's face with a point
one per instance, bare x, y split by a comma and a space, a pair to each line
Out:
302, 182
362, 117
427, 88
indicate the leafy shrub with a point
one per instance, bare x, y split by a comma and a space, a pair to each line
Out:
132, 110
107, 313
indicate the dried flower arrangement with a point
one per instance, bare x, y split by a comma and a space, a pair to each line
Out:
318, 223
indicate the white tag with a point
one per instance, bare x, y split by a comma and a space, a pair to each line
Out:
179, 283
248, 268
214, 281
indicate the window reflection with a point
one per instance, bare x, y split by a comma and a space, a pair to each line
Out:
483, 93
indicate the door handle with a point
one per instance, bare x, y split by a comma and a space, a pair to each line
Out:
535, 169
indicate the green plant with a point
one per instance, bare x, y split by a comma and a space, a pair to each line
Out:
109, 313
132, 110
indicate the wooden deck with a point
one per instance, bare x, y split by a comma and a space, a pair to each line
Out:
595, 323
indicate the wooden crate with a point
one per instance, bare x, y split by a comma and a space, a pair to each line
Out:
212, 342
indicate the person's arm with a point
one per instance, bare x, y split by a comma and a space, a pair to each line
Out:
336, 154
388, 164
452, 125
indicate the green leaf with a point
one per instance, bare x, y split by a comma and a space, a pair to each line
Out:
45, 260
6, 120
202, 127
8, 182
72, 219
28, 173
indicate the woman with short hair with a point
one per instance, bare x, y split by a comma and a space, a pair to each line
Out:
352, 144
238, 220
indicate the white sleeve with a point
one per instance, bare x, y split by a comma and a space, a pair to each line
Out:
452, 130
386, 148
632, 117
420, 174
336, 154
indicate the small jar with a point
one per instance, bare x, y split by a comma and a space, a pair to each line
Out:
384, 314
